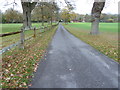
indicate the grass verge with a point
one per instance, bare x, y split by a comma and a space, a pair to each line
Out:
18, 65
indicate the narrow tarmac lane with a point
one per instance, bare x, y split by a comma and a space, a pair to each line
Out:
71, 63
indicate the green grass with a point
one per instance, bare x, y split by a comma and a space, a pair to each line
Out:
106, 42
6, 28
104, 27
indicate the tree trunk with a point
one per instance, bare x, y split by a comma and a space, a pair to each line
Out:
42, 16
51, 21
95, 27
27, 18
27, 9
22, 38
96, 12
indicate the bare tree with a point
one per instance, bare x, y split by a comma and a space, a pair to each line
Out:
96, 12
70, 4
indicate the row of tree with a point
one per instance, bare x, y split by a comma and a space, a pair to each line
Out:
103, 18
67, 16
42, 12
46, 15
11, 16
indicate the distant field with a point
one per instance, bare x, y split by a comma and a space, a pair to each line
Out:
15, 27
106, 42
104, 27
10, 27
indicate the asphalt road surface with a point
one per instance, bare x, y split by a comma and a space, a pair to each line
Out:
71, 63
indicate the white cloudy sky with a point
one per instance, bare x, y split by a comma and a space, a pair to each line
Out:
82, 6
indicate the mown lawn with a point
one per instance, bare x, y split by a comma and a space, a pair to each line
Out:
6, 28
106, 42
104, 27
18, 65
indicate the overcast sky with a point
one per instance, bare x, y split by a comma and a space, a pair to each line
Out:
82, 6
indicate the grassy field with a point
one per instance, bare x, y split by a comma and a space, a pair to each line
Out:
106, 42
104, 27
18, 65
6, 28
